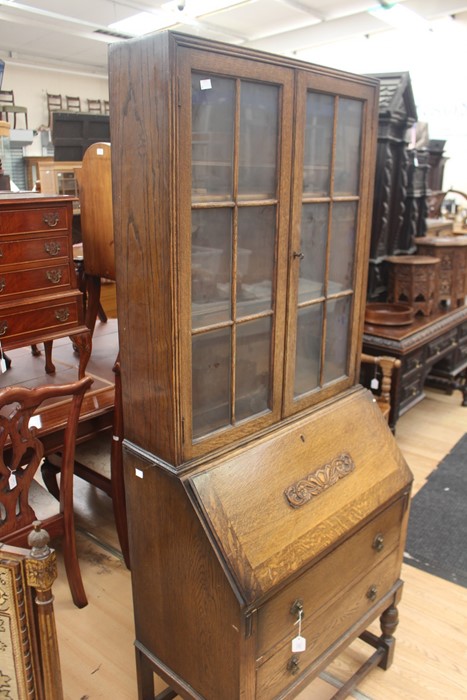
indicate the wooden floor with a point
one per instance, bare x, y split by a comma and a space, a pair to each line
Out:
96, 643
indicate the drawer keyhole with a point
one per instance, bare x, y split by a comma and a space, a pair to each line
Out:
296, 609
293, 665
378, 542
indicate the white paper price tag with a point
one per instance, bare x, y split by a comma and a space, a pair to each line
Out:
3, 365
374, 383
298, 644
205, 84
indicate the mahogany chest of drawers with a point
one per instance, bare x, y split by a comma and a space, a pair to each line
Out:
39, 298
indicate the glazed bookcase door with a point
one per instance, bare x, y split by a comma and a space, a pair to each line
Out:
330, 210
235, 155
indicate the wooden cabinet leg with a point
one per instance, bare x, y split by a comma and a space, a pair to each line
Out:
144, 677
388, 621
49, 365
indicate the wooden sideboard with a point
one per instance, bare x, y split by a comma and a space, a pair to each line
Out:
39, 297
432, 349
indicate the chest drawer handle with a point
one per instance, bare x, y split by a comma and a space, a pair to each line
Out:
378, 542
2, 284
52, 248
3, 327
54, 276
51, 219
62, 315
293, 665
372, 592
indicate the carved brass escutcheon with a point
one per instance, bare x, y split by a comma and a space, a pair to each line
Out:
62, 315
52, 248
54, 276
2, 284
378, 542
293, 665
51, 218
3, 327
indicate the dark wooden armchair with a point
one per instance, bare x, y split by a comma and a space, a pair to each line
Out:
21, 453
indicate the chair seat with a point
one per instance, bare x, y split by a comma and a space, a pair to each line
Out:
12, 108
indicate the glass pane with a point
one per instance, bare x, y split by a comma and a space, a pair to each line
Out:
253, 367
337, 339
258, 140
343, 233
318, 143
211, 381
211, 241
213, 113
348, 138
307, 358
313, 243
255, 259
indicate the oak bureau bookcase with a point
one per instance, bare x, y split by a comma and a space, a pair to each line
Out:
267, 499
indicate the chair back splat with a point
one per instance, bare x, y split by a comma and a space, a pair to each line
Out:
21, 453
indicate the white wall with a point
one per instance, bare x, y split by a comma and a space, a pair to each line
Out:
436, 61
31, 84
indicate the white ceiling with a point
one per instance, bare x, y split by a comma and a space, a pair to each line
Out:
71, 34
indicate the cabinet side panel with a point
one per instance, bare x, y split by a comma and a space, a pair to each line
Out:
186, 613
142, 153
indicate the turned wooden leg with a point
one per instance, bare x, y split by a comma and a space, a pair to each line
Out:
388, 621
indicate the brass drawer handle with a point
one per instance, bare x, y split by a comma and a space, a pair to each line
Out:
3, 327
378, 542
372, 592
296, 609
293, 665
62, 315
54, 276
299, 255
51, 218
2, 284
52, 248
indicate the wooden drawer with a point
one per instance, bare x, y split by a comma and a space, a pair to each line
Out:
32, 322
440, 345
34, 249
412, 362
411, 390
324, 629
41, 279
327, 579
53, 217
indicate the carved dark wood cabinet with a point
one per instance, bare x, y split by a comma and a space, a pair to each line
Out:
399, 210
264, 488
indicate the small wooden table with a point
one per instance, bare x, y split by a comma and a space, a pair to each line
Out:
451, 251
413, 279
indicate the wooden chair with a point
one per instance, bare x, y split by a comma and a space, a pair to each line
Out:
95, 196
21, 453
54, 104
30, 657
384, 366
106, 107
94, 106
8, 106
73, 104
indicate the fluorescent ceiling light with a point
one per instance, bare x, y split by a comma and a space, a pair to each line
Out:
400, 17
170, 15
